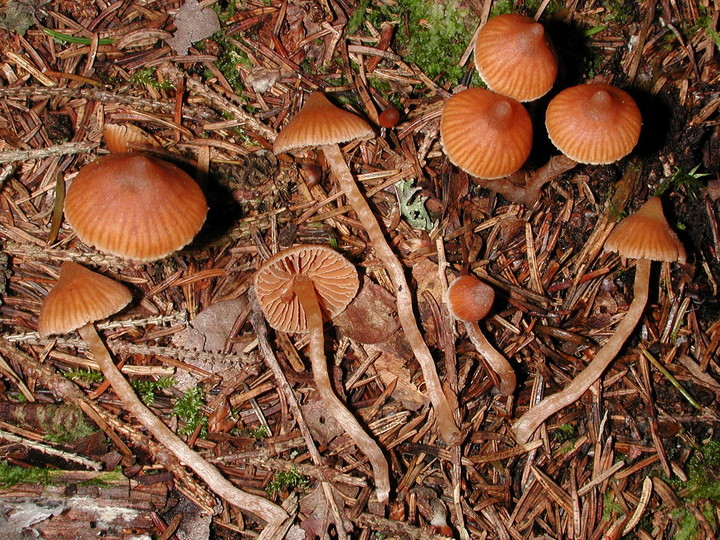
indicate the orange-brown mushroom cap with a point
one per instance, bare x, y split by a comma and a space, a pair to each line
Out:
469, 299
79, 297
485, 134
514, 57
135, 206
646, 234
320, 123
593, 123
334, 279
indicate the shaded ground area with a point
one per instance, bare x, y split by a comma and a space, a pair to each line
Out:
209, 86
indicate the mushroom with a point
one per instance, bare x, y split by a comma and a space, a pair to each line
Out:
81, 297
135, 206
321, 124
486, 134
514, 57
646, 237
294, 288
469, 300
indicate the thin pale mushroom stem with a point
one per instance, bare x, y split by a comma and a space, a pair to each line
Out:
529, 193
305, 292
443, 412
532, 419
497, 362
221, 486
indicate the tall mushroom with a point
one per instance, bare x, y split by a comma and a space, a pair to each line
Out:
320, 124
469, 300
295, 288
81, 297
135, 206
645, 236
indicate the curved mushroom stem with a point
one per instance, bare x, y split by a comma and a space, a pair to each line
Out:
497, 361
305, 292
443, 412
531, 420
530, 192
263, 508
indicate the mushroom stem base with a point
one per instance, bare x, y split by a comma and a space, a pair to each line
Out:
443, 412
497, 362
264, 509
305, 293
531, 420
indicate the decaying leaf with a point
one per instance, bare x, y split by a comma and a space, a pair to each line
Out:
19, 15
193, 23
392, 368
370, 316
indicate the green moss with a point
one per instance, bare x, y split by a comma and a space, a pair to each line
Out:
188, 410
287, 480
12, 474
433, 34
259, 432
84, 374
148, 388
565, 433
148, 77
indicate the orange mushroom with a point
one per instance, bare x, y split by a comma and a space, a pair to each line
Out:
295, 288
320, 124
515, 58
645, 236
79, 298
469, 300
135, 206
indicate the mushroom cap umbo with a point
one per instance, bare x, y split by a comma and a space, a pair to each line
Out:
135, 206
515, 58
646, 234
334, 279
593, 123
320, 123
485, 134
469, 299
79, 297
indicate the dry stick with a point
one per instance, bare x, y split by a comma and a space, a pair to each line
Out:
266, 510
40, 153
531, 420
446, 423
258, 323
498, 363
305, 292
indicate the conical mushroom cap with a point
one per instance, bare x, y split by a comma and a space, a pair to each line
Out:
320, 123
593, 123
515, 58
334, 278
80, 296
485, 134
135, 206
469, 299
646, 234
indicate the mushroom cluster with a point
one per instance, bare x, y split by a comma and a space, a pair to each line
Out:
488, 134
139, 208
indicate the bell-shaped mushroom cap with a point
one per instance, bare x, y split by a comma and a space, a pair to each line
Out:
485, 134
515, 58
334, 278
135, 206
320, 123
593, 123
470, 299
646, 234
79, 297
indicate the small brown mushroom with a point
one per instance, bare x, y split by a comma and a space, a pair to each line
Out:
320, 124
469, 300
135, 206
645, 236
81, 297
294, 288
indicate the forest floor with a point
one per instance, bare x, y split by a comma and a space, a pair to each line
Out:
209, 86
